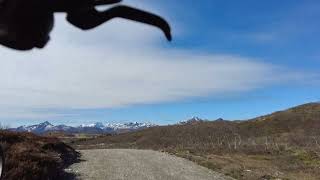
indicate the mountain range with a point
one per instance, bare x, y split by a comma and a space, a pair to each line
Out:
301, 118
95, 128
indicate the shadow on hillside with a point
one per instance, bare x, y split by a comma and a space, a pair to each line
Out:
28, 156
68, 173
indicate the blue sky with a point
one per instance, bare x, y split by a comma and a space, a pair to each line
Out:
229, 59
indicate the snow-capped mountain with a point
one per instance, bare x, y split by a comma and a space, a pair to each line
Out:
38, 128
95, 128
98, 125
192, 121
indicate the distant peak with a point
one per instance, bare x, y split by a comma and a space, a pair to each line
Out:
98, 125
220, 119
194, 119
46, 123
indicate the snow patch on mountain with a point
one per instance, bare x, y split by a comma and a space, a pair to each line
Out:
97, 127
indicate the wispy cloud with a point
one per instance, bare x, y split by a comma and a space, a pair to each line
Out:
120, 65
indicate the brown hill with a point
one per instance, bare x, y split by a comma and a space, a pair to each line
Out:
304, 119
29, 156
286, 141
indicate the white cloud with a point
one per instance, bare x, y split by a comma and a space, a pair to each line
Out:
118, 65
91, 78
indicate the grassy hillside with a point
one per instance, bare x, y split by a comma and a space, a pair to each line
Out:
304, 118
33, 157
285, 144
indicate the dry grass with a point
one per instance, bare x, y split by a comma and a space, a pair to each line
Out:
282, 145
32, 157
285, 156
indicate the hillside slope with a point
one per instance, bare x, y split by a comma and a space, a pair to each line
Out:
286, 141
304, 119
29, 157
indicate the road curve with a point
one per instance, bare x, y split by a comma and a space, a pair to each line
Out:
125, 164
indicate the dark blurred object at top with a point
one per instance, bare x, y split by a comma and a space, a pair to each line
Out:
25, 24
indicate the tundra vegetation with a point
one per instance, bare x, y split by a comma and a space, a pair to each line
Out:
29, 156
282, 145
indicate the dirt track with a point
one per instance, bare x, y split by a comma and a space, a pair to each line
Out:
122, 164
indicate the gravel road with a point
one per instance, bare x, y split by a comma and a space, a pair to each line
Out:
124, 164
